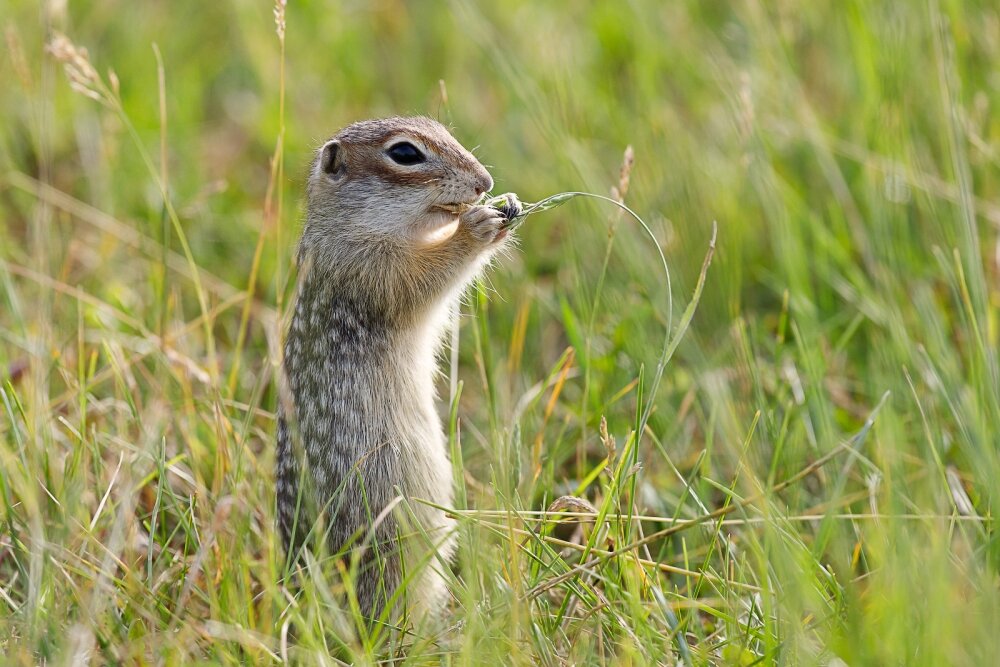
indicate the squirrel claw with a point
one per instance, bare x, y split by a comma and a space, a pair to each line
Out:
485, 223
508, 204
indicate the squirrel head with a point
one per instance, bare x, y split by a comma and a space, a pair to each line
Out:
392, 179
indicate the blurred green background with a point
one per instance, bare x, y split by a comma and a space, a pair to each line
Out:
848, 152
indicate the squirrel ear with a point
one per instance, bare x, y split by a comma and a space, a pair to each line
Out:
331, 160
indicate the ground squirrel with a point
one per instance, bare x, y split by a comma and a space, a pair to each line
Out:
392, 236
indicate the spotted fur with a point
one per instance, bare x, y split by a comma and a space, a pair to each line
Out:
357, 421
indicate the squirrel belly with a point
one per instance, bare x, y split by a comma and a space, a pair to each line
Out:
359, 435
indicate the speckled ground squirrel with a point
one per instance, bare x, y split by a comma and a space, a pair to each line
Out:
392, 236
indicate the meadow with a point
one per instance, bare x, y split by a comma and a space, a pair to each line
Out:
785, 454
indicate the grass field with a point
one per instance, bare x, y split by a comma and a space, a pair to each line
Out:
814, 478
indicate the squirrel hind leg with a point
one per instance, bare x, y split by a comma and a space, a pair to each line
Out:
376, 581
292, 522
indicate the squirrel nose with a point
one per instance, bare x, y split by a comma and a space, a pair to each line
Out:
484, 184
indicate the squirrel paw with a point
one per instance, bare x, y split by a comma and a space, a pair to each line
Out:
485, 223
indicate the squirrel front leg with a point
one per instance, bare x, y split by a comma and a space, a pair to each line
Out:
484, 225
437, 268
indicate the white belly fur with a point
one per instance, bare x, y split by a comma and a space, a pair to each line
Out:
428, 535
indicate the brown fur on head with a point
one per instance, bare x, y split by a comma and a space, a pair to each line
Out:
357, 186
381, 192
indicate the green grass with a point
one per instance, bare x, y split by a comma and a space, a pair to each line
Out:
849, 154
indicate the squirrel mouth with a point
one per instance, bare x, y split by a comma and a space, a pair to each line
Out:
455, 208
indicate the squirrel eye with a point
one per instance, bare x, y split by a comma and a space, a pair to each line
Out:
405, 153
